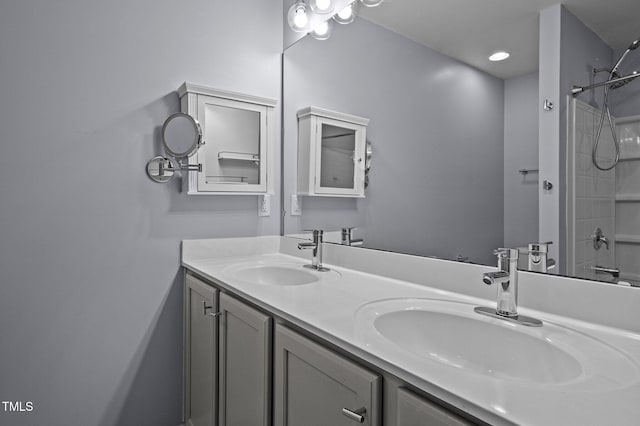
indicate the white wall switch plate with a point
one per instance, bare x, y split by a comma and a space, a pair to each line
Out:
296, 209
264, 205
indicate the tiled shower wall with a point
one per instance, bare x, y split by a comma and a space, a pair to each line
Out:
591, 193
628, 199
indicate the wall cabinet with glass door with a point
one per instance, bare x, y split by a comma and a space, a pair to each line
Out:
239, 141
331, 153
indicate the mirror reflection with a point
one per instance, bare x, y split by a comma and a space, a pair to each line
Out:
467, 158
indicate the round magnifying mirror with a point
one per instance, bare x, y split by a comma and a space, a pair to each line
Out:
181, 135
160, 169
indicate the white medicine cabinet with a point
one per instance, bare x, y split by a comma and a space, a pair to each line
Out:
331, 153
238, 130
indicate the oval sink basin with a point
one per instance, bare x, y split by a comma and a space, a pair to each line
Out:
480, 346
278, 274
452, 334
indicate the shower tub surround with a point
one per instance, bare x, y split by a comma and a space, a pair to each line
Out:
628, 199
590, 194
329, 310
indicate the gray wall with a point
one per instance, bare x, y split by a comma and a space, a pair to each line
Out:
520, 152
437, 134
91, 293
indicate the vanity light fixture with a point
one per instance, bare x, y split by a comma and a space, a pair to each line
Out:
500, 55
304, 13
298, 17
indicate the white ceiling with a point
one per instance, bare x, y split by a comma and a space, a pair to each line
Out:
470, 30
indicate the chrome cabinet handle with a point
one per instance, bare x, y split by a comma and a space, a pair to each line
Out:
355, 415
205, 308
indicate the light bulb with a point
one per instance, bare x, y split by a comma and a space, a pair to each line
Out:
298, 18
371, 3
321, 6
347, 14
322, 31
301, 19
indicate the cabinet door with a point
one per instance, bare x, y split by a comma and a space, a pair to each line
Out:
313, 385
234, 156
339, 157
414, 410
245, 365
201, 300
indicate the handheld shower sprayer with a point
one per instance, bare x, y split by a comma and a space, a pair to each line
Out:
613, 75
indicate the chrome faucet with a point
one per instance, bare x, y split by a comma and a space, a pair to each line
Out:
506, 279
316, 246
599, 239
538, 257
614, 272
347, 237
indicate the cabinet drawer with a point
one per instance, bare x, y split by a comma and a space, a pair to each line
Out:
314, 386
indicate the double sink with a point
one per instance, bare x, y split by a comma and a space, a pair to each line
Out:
450, 334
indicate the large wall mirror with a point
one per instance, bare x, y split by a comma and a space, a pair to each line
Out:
463, 162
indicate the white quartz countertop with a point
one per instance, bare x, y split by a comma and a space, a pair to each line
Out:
330, 309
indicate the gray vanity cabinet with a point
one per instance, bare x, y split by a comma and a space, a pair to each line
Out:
241, 370
245, 365
316, 387
413, 410
201, 338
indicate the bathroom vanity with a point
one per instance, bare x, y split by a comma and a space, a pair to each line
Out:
389, 339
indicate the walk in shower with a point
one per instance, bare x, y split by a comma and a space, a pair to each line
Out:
603, 175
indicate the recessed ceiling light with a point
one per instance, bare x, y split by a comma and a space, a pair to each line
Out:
499, 56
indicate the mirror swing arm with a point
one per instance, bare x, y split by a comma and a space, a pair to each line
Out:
161, 169
178, 129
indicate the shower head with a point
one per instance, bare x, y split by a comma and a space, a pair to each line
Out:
624, 80
633, 46
615, 80
620, 83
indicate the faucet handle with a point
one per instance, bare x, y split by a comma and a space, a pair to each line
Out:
506, 253
313, 231
348, 231
317, 234
539, 247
